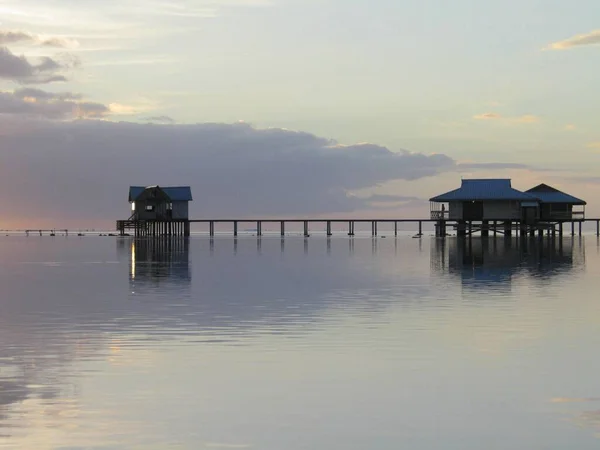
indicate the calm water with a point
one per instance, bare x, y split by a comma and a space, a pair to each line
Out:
349, 344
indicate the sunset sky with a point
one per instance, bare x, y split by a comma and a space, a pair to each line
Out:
291, 107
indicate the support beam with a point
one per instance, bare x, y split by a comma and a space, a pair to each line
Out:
396, 228
420, 228
329, 228
235, 228
282, 228
306, 228
485, 228
572, 228
580, 222
259, 228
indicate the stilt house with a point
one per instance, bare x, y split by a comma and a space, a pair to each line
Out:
480, 200
160, 203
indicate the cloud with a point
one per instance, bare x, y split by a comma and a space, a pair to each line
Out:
13, 37
574, 399
41, 104
593, 145
591, 38
570, 127
160, 119
387, 198
234, 170
38, 94
19, 69
494, 166
528, 118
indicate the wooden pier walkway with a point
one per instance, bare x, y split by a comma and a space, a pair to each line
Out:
462, 228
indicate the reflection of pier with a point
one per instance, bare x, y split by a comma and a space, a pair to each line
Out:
485, 262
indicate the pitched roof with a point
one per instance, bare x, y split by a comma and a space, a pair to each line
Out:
483, 189
175, 193
548, 194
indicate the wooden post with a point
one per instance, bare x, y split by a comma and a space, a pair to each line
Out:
572, 228
395, 228
560, 229
259, 228
580, 222
597, 227
282, 228
373, 233
235, 228
349, 228
211, 230
485, 228
420, 228
329, 228
495, 227
306, 228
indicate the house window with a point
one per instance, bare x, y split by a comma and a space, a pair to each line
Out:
149, 208
169, 206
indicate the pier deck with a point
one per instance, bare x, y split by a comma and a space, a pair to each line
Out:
462, 228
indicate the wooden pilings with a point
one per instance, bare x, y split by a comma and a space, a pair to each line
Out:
154, 228
463, 228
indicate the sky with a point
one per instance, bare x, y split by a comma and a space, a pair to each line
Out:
291, 107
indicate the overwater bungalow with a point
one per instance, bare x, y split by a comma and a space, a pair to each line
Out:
482, 201
557, 205
157, 210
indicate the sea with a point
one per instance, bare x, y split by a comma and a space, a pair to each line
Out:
110, 343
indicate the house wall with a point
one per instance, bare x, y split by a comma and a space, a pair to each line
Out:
181, 210
455, 211
501, 210
551, 211
160, 210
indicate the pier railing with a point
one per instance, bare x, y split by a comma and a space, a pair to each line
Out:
440, 215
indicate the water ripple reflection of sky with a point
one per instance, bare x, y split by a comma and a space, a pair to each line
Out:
299, 344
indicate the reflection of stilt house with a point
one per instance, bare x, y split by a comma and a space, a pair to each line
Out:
491, 264
493, 204
158, 211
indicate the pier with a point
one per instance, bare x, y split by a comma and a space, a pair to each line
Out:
483, 206
441, 226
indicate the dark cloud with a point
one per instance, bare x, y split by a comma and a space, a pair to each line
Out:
37, 103
12, 37
386, 198
493, 166
161, 119
40, 94
19, 69
81, 171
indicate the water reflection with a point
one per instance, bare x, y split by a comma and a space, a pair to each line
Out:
155, 261
272, 343
483, 263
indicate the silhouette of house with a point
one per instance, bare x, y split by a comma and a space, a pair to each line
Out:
482, 199
496, 200
160, 203
555, 204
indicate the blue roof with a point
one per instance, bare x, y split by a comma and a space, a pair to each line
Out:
175, 193
483, 189
548, 194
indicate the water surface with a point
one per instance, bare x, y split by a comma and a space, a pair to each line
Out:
299, 344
